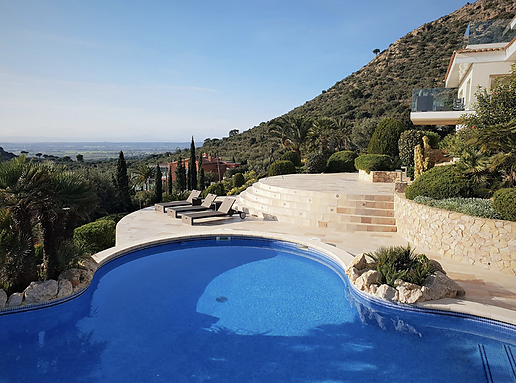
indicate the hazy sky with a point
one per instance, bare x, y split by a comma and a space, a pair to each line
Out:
164, 70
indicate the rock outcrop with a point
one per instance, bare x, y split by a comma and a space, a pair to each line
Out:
69, 282
364, 276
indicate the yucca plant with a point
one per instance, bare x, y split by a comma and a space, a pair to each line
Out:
400, 262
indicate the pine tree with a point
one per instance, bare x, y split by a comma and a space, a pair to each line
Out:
122, 183
158, 190
180, 175
201, 173
192, 168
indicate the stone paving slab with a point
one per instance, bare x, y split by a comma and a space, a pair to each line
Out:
488, 294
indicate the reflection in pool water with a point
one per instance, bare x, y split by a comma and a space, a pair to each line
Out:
242, 311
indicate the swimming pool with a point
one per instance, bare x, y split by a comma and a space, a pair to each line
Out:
243, 310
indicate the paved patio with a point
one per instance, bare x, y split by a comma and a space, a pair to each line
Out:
488, 294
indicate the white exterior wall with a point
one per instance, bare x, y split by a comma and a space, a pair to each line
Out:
480, 74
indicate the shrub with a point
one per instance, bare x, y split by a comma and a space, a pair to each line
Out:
385, 137
316, 162
477, 207
282, 167
95, 236
370, 162
341, 162
399, 262
504, 202
409, 139
293, 157
439, 183
238, 180
216, 188
113, 217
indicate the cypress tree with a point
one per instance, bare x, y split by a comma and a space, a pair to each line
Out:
180, 175
122, 183
158, 190
169, 181
192, 168
201, 173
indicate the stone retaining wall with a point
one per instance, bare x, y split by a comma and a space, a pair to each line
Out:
381, 176
487, 242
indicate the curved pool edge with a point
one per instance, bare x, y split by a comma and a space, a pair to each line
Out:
340, 256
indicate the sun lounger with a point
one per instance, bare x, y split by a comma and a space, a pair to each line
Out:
208, 203
224, 210
189, 202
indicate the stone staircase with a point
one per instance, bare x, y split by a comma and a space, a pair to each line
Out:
334, 210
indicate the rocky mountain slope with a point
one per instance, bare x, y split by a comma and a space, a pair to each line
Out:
383, 87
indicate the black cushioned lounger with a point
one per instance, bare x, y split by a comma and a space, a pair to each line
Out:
162, 207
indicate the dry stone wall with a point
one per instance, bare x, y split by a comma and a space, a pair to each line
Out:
486, 242
381, 176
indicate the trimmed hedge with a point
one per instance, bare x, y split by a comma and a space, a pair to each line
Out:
238, 180
341, 162
504, 202
370, 162
292, 157
385, 137
216, 188
439, 183
409, 139
95, 236
282, 167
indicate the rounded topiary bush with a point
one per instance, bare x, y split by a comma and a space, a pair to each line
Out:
216, 188
282, 167
439, 183
316, 162
385, 137
409, 139
238, 180
341, 162
292, 157
95, 236
370, 162
504, 202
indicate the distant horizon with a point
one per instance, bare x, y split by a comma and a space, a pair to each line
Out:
75, 71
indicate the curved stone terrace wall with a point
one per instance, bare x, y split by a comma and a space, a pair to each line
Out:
487, 242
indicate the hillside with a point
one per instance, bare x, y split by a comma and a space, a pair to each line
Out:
383, 87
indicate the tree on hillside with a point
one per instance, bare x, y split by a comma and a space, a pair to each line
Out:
122, 183
158, 190
376, 51
192, 167
181, 175
291, 131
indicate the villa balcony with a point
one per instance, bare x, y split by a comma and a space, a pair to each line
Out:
437, 106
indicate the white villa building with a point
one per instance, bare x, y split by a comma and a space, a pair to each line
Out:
489, 53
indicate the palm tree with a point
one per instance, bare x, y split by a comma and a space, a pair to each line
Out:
68, 199
498, 141
291, 131
22, 185
141, 176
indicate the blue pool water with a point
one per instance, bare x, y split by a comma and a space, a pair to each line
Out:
243, 311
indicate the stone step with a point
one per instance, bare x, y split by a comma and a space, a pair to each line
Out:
339, 212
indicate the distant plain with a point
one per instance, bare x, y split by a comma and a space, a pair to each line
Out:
95, 150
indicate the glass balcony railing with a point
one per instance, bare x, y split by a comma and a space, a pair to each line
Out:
489, 32
436, 100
